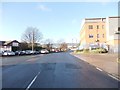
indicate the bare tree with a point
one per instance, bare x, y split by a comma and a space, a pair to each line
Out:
60, 42
63, 46
23, 46
32, 36
48, 44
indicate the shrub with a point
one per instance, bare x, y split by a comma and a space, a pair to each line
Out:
78, 51
86, 50
99, 50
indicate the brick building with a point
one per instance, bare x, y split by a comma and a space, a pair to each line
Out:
100, 31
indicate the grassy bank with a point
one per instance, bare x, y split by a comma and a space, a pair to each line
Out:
87, 51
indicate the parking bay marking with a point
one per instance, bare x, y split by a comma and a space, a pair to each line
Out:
113, 77
32, 81
108, 74
99, 69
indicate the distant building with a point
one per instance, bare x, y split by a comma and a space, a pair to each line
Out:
100, 31
9, 45
113, 33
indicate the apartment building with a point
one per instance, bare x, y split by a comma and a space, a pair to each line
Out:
93, 30
100, 31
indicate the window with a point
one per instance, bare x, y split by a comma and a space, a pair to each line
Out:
102, 26
97, 26
90, 36
98, 36
117, 32
15, 44
90, 26
118, 28
103, 36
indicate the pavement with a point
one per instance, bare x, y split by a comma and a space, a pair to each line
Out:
106, 62
56, 70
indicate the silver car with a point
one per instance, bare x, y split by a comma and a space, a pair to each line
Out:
8, 53
44, 51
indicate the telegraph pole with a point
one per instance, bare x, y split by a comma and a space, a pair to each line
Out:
32, 40
72, 42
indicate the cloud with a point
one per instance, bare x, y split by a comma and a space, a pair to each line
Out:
44, 8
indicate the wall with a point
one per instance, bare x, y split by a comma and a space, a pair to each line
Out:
113, 40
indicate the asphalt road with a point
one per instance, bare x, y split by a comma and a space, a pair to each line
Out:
55, 70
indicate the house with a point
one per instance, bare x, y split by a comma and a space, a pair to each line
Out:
9, 45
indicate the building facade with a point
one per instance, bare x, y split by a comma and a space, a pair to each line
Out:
9, 45
100, 31
93, 31
113, 33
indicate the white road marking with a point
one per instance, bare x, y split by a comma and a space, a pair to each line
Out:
99, 69
32, 81
113, 77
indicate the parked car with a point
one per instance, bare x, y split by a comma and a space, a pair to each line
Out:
44, 51
93, 47
101, 49
28, 52
18, 52
22, 53
8, 53
37, 52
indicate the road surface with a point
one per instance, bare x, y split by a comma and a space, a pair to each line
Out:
55, 70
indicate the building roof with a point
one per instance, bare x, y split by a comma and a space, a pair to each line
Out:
5, 43
93, 18
114, 17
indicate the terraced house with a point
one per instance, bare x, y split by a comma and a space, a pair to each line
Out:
101, 31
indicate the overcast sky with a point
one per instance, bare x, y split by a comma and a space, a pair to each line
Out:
55, 20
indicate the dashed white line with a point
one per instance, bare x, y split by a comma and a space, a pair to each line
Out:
32, 81
99, 69
113, 77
